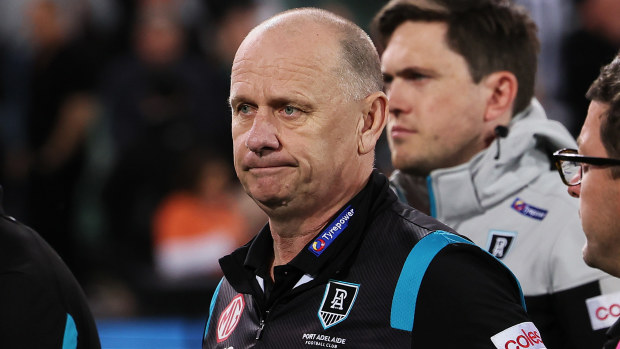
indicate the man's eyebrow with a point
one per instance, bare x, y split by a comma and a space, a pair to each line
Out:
409, 73
280, 101
275, 102
232, 100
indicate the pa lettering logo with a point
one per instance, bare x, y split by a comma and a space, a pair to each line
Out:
499, 242
337, 302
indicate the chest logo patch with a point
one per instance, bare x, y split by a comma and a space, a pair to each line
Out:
229, 319
528, 210
337, 302
499, 242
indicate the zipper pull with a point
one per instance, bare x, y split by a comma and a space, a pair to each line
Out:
261, 326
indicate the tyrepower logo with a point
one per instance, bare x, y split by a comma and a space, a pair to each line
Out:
604, 310
229, 319
332, 231
523, 335
528, 210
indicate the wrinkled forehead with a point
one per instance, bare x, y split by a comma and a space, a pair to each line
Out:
278, 78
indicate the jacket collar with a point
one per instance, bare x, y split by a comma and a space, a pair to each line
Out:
327, 253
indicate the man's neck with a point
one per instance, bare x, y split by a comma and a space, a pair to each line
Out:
290, 238
291, 231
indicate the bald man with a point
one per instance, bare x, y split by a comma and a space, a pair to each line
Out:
341, 263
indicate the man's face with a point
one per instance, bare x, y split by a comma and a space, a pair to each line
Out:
294, 134
436, 110
599, 198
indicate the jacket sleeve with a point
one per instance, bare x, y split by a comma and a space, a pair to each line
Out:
467, 297
580, 315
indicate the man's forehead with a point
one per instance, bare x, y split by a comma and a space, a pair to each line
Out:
409, 32
281, 76
420, 44
277, 72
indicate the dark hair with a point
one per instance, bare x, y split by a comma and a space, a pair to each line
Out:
606, 89
491, 35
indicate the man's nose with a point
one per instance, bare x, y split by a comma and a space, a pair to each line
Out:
263, 134
399, 102
574, 190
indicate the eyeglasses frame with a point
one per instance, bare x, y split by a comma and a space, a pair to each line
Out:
575, 157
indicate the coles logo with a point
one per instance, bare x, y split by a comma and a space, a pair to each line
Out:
603, 313
229, 319
318, 245
604, 310
522, 336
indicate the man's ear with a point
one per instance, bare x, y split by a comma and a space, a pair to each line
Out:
502, 87
373, 121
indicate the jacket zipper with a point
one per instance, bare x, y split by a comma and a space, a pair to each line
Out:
261, 325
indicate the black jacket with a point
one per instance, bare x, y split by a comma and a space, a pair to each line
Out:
613, 336
380, 275
41, 303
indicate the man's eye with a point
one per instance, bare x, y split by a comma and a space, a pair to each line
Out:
244, 109
415, 76
288, 110
585, 168
386, 87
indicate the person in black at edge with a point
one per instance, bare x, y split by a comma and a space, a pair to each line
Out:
592, 174
341, 263
41, 303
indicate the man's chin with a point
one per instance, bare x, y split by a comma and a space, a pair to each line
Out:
412, 169
269, 202
399, 163
589, 257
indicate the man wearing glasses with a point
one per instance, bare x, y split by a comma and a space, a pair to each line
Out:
593, 175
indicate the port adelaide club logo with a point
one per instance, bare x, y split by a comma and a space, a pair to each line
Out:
499, 242
337, 302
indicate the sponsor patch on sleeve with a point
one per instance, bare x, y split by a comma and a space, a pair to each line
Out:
230, 317
523, 335
604, 310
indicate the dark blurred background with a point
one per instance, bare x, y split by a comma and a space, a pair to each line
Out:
115, 139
